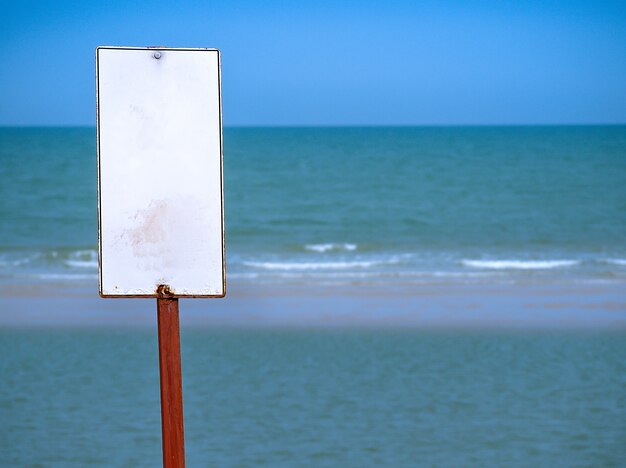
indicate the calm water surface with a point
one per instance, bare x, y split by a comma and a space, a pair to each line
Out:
353, 205
317, 398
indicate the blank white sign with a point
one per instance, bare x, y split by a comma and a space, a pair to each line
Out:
160, 194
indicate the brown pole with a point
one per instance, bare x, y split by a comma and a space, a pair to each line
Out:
171, 384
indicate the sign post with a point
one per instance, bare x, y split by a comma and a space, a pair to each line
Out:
172, 427
160, 194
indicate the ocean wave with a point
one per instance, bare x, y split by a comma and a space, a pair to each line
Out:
519, 264
81, 264
242, 276
63, 276
313, 265
366, 274
321, 248
84, 255
20, 260
12, 262
91, 253
616, 261
82, 259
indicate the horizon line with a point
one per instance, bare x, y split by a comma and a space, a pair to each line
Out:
431, 125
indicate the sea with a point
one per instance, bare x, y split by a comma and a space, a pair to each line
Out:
394, 206
353, 206
342, 398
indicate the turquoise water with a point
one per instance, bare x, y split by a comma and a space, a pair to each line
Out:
353, 205
312, 398
337, 205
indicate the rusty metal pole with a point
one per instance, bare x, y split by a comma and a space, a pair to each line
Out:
171, 384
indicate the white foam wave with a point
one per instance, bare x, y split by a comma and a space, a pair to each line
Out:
616, 261
82, 259
312, 265
16, 262
84, 255
243, 275
367, 274
519, 264
82, 264
321, 248
60, 276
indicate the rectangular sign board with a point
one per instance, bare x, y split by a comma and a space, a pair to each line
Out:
160, 190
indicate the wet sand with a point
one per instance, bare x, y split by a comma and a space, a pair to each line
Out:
428, 306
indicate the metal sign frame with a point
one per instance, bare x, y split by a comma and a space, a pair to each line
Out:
162, 290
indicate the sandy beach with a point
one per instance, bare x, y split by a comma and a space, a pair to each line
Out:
246, 305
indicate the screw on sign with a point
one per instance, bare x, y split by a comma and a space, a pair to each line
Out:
161, 232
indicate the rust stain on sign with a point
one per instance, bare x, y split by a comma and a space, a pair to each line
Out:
151, 227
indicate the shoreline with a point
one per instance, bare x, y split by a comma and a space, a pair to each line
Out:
433, 306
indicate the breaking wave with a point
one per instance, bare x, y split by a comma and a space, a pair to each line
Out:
519, 264
313, 265
321, 248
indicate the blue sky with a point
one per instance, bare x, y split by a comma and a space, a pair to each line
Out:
335, 63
